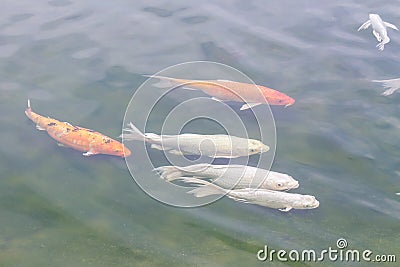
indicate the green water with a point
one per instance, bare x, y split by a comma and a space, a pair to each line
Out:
81, 61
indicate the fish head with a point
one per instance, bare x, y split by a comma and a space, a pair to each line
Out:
278, 98
114, 148
373, 16
306, 202
280, 182
256, 147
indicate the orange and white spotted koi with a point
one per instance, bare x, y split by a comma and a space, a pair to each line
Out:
82, 139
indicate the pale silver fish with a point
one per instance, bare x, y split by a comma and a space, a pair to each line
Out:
231, 176
378, 29
393, 85
216, 146
268, 198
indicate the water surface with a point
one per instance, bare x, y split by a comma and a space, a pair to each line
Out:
81, 61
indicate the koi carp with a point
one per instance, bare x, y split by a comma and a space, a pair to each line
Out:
282, 201
216, 146
378, 29
223, 90
82, 139
231, 176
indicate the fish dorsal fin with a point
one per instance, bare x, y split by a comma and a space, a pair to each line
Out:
226, 81
164, 82
249, 105
390, 25
196, 167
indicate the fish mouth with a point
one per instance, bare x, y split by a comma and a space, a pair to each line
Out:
296, 185
264, 149
315, 204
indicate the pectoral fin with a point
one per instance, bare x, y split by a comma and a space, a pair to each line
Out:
216, 99
390, 25
40, 128
89, 153
189, 88
286, 209
365, 25
175, 152
249, 105
158, 147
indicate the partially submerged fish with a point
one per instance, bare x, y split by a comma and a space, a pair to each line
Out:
76, 137
268, 198
222, 90
393, 85
231, 176
378, 29
216, 146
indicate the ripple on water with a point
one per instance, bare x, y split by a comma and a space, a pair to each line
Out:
159, 11
85, 53
195, 19
60, 2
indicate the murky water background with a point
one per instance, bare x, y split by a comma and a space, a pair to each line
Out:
80, 61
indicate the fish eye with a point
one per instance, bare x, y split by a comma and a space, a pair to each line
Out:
279, 184
116, 150
280, 101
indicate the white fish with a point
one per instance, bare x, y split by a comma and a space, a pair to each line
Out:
268, 198
393, 85
378, 29
216, 146
231, 176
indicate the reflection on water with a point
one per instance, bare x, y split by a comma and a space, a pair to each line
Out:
81, 61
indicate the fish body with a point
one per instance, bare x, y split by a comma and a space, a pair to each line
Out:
224, 90
378, 29
76, 137
268, 198
231, 176
216, 146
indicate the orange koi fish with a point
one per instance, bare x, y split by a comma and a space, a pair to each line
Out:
223, 90
76, 137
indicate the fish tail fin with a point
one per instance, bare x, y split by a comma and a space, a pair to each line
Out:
207, 188
169, 173
133, 133
392, 85
164, 82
